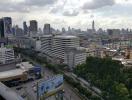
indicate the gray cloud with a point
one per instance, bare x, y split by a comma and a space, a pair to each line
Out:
56, 9
71, 13
95, 4
25, 6
13, 7
40, 2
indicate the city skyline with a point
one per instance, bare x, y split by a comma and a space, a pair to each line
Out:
75, 13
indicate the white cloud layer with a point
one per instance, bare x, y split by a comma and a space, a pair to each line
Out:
94, 4
75, 13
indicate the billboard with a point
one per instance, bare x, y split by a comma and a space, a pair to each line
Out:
50, 86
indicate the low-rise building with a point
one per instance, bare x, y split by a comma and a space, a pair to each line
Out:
75, 56
6, 54
15, 72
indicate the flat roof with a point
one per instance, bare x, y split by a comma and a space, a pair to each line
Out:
25, 65
66, 36
11, 73
6, 67
46, 36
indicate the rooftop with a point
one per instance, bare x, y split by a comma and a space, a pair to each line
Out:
65, 36
11, 73
25, 65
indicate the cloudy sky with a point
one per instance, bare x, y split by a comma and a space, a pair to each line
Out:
74, 13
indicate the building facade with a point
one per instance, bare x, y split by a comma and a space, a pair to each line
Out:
33, 27
75, 56
6, 55
46, 44
60, 43
47, 29
25, 28
2, 29
6, 27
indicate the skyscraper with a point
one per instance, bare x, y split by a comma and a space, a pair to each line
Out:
18, 31
6, 27
63, 30
25, 28
69, 29
93, 26
110, 31
47, 29
33, 26
1, 28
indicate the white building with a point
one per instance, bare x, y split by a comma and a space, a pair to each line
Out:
56, 45
46, 44
75, 56
6, 55
62, 42
38, 45
64, 48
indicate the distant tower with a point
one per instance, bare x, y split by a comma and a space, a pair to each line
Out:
25, 28
63, 30
2, 35
93, 26
33, 26
18, 31
69, 29
6, 27
47, 29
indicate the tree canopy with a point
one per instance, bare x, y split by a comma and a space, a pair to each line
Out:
108, 75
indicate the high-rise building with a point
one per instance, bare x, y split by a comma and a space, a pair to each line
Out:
69, 29
6, 27
93, 27
18, 31
40, 31
1, 29
33, 26
25, 28
46, 42
110, 31
61, 42
63, 30
60, 46
47, 29
56, 45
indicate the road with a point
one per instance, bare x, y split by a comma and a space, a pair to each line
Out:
31, 95
69, 94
